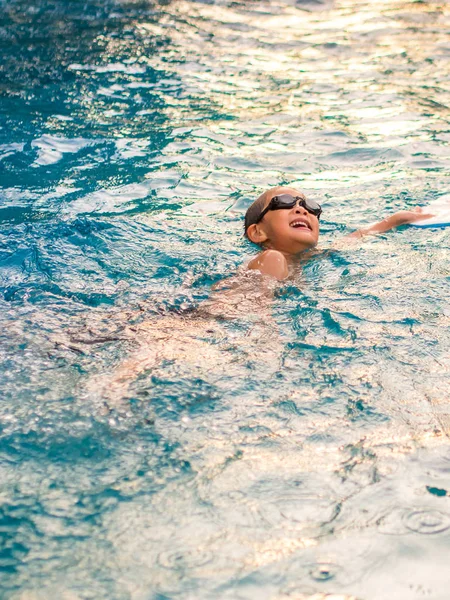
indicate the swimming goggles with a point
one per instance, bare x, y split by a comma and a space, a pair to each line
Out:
288, 201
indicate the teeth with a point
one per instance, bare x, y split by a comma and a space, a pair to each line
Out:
299, 224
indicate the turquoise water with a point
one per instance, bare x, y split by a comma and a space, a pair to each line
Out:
294, 450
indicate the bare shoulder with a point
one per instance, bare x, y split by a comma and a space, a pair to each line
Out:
270, 262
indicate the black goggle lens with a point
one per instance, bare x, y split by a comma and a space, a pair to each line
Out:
288, 201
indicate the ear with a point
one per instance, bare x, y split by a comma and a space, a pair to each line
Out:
256, 234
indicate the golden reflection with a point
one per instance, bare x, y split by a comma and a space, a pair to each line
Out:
276, 65
276, 549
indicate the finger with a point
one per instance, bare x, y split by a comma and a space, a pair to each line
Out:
424, 215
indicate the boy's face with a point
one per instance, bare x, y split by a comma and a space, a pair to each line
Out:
289, 230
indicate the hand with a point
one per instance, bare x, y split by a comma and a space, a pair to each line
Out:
403, 217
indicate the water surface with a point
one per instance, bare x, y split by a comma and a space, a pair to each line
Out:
295, 451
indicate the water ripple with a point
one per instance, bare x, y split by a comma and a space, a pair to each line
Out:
294, 448
427, 522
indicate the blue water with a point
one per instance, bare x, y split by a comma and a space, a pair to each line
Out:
291, 448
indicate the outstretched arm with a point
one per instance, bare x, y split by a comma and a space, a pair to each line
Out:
403, 217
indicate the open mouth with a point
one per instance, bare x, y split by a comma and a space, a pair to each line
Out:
300, 224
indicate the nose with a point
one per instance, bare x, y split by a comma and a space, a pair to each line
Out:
301, 210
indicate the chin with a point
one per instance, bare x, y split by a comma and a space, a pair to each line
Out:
305, 238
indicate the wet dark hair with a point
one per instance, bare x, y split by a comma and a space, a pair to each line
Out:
254, 211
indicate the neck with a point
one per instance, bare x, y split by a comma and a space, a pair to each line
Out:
289, 255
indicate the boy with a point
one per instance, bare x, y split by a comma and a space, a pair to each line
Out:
285, 223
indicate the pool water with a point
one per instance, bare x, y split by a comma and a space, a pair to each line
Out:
297, 448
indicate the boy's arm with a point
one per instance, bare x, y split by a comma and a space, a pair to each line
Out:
403, 217
272, 263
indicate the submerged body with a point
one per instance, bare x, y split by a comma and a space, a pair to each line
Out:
286, 225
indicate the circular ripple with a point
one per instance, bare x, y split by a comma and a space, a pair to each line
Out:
324, 571
305, 577
304, 513
427, 522
179, 560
